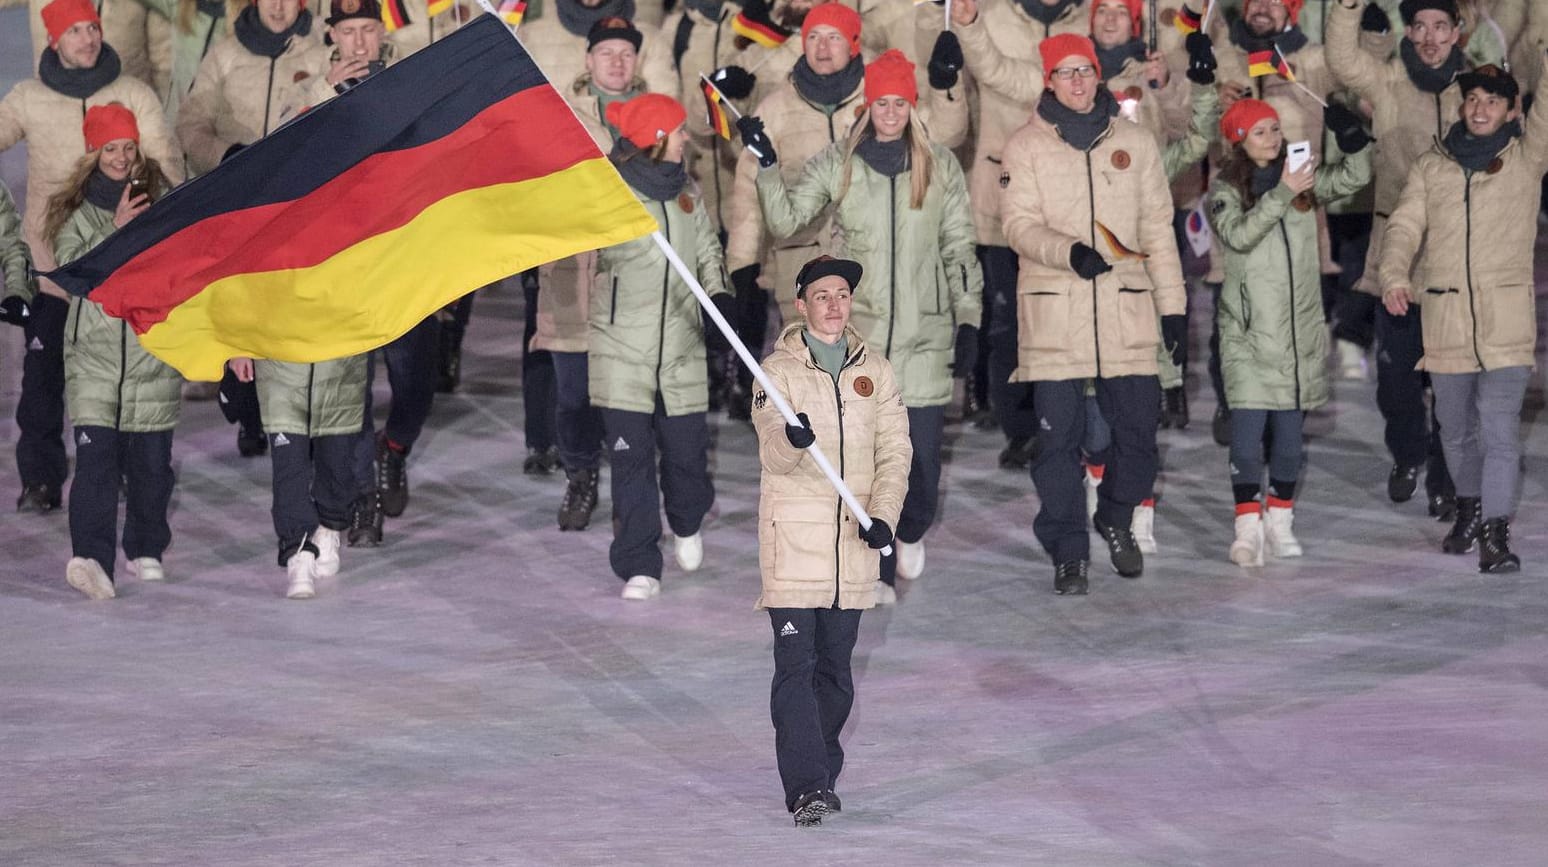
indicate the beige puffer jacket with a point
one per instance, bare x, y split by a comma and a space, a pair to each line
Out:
809, 548
711, 45
1016, 35
239, 97
562, 55
51, 124
1054, 197
127, 26
1477, 231
1300, 117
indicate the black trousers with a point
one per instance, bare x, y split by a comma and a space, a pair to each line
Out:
812, 694
1411, 433
577, 424
1012, 400
1131, 407
314, 483
40, 451
537, 376
752, 325
634, 438
1350, 311
105, 458
412, 376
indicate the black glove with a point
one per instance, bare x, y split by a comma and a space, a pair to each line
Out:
965, 353
1087, 262
733, 81
232, 151
1347, 129
879, 535
715, 339
756, 140
801, 437
1174, 336
946, 61
1201, 58
14, 310
745, 280
1375, 19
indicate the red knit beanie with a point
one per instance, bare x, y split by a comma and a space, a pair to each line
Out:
892, 74
1294, 8
1243, 115
1056, 48
646, 119
838, 16
111, 122
61, 15
1136, 7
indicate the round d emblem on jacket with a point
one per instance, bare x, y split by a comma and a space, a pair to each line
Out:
1133, 92
685, 202
1120, 160
864, 387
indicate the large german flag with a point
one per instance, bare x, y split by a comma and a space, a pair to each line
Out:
338, 232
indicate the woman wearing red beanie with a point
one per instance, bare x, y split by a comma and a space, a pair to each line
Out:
1273, 341
122, 400
902, 205
647, 369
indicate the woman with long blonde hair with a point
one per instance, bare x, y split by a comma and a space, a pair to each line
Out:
123, 401
901, 203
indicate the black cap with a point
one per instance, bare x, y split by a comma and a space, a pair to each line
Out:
613, 27
1490, 79
340, 10
827, 266
1409, 8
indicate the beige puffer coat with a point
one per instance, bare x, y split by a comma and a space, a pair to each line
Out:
1477, 231
711, 45
142, 40
1016, 35
809, 548
51, 124
1054, 197
239, 97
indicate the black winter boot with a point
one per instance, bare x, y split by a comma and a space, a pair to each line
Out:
1070, 578
580, 500
1464, 533
1220, 427
1494, 556
365, 522
1124, 549
391, 478
1402, 482
1174, 408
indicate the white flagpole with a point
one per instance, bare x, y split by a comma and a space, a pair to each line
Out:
763, 380
1208, 11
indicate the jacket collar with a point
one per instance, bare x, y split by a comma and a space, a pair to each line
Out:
790, 341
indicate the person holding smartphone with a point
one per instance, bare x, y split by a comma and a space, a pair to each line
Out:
1273, 341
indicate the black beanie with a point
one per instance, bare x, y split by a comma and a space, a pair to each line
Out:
1490, 79
1409, 8
613, 27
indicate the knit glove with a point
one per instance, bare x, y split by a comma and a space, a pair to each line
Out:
715, 339
734, 81
946, 61
801, 436
756, 140
1347, 128
878, 535
14, 311
1201, 58
1174, 336
1087, 262
1375, 19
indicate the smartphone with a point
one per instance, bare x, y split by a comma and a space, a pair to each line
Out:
1296, 154
137, 187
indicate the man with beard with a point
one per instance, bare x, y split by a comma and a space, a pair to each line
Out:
1415, 99
1088, 211
77, 70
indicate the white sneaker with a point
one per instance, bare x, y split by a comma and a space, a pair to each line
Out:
1092, 483
1144, 528
886, 594
86, 575
911, 559
1351, 361
148, 568
1247, 549
327, 542
689, 551
302, 569
1278, 536
642, 587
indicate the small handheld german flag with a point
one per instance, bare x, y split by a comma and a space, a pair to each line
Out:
1269, 62
1119, 249
512, 11
1187, 21
436, 7
761, 30
394, 15
715, 111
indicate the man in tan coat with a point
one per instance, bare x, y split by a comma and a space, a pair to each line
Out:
78, 70
1088, 210
820, 569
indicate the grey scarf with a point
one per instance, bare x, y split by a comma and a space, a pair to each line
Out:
1079, 131
656, 181
78, 83
829, 90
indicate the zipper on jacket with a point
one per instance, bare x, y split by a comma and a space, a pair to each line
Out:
666, 280
892, 251
123, 365
612, 310
1439, 133
75, 330
268, 95
209, 36
1467, 208
838, 506
311, 380
1295, 349
1096, 330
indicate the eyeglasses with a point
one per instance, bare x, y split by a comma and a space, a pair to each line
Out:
1065, 73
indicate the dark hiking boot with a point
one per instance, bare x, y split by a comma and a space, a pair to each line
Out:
580, 500
1464, 532
1494, 556
1070, 578
1124, 549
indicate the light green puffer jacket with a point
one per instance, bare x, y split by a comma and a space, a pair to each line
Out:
15, 260
1273, 338
647, 331
110, 380
922, 277
318, 400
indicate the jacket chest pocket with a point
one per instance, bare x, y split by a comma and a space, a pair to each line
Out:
1043, 316
1445, 319
1137, 326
